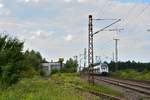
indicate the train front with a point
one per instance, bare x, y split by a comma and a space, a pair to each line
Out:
104, 71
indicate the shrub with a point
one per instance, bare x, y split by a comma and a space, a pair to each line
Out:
132, 74
54, 71
14, 64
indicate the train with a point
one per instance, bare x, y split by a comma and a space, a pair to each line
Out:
101, 69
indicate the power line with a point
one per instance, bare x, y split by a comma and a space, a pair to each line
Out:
130, 10
138, 15
107, 27
128, 13
105, 5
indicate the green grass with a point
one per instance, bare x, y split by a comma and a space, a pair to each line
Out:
75, 80
132, 74
58, 87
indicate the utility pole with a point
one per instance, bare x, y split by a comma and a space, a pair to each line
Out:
113, 57
76, 59
80, 61
116, 53
90, 44
90, 50
84, 57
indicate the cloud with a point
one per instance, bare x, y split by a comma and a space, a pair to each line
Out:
41, 34
1, 5
32, 37
50, 22
69, 37
81, 1
67, 0
4, 10
28, 2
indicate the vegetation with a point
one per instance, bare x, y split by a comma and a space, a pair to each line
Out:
74, 80
130, 65
26, 66
34, 60
59, 87
132, 74
130, 70
14, 64
11, 57
70, 66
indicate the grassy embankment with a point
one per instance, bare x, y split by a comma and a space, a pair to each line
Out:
132, 74
58, 87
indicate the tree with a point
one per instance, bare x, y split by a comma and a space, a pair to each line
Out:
34, 60
14, 63
11, 57
130, 65
71, 65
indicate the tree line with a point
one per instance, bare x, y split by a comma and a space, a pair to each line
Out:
138, 66
15, 63
69, 67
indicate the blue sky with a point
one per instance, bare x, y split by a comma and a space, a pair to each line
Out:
58, 28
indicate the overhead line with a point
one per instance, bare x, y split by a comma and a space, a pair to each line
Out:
104, 19
145, 8
107, 27
105, 5
102, 8
141, 12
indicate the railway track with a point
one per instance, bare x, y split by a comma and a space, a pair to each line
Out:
101, 95
140, 87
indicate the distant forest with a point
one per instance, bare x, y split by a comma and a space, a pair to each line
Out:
138, 66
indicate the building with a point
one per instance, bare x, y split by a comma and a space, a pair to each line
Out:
49, 66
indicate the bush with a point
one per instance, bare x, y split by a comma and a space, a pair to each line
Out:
70, 66
132, 74
54, 71
29, 73
14, 64
7, 76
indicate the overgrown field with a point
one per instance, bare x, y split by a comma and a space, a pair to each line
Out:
132, 74
58, 87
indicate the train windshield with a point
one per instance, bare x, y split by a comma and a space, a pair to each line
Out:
104, 66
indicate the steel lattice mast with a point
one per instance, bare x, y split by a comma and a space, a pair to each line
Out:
90, 44
90, 50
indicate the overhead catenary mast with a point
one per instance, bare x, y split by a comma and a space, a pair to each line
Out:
90, 44
90, 50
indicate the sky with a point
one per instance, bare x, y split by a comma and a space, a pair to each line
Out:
59, 28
